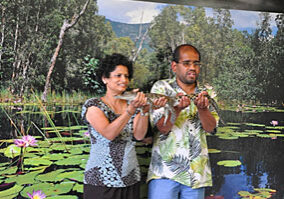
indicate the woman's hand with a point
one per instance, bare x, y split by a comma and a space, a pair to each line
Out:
139, 102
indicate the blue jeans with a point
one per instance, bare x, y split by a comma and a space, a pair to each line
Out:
169, 189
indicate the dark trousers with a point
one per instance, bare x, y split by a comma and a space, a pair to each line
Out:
100, 192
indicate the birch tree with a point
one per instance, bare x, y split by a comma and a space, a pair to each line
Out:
65, 27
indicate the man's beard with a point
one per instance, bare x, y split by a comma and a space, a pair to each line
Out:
188, 81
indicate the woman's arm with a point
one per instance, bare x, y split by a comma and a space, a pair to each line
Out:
140, 124
99, 121
111, 130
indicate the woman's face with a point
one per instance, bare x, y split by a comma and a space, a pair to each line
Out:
118, 79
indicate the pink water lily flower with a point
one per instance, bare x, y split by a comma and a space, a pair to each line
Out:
87, 134
25, 141
274, 122
37, 195
20, 143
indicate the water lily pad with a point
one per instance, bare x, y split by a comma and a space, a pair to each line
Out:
263, 136
56, 156
255, 132
49, 189
273, 131
228, 137
12, 151
141, 150
59, 147
214, 151
50, 176
245, 193
275, 127
225, 129
10, 170
28, 178
74, 160
2, 165
53, 128
37, 161
62, 197
7, 141
11, 193
62, 188
43, 144
76, 127
65, 139
73, 175
256, 125
233, 124
229, 163
265, 189
144, 161
78, 187
76, 150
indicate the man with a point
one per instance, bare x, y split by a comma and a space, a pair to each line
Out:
179, 165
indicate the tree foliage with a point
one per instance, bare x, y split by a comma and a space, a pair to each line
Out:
30, 37
241, 66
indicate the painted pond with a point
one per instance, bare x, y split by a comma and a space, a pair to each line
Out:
246, 153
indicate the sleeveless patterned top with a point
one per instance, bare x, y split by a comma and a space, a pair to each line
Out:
111, 163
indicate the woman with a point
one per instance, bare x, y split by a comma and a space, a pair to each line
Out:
112, 170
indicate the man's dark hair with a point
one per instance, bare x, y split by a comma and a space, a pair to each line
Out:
110, 62
176, 53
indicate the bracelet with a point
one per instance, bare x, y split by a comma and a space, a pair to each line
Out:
128, 112
144, 114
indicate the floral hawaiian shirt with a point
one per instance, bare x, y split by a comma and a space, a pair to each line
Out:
181, 155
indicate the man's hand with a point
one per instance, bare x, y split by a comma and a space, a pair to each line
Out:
160, 102
201, 101
183, 102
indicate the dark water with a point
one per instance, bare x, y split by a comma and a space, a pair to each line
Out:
262, 158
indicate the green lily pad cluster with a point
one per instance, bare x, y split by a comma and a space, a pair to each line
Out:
235, 131
55, 166
254, 108
259, 193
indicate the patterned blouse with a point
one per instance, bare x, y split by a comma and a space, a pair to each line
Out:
181, 155
111, 163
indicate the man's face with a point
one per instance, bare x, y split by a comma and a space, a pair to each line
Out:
187, 68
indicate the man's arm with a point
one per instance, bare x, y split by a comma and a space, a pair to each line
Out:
207, 119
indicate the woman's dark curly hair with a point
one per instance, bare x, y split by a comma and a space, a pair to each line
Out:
110, 62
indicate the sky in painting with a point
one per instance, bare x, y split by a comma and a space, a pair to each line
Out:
133, 12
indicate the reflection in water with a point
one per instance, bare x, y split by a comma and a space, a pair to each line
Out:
262, 159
